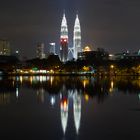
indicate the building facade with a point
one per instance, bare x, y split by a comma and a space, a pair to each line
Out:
5, 47
40, 51
64, 40
76, 38
52, 48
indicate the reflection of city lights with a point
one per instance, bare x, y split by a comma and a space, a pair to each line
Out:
4, 99
60, 96
17, 78
85, 82
40, 95
52, 100
112, 86
21, 79
37, 78
17, 92
86, 97
31, 80
64, 114
77, 110
139, 96
64, 104
34, 79
47, 78
44, 78
51, 79
51, 71
41, 78
110, 90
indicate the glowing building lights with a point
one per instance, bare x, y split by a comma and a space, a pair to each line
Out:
87, 49
52, 48
76, 38
40, 51
86, 97
111, 66
64, 40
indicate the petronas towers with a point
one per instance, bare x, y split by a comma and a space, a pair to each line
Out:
64, 40
76, 38
64, 45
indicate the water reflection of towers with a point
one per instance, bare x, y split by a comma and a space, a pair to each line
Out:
64, 108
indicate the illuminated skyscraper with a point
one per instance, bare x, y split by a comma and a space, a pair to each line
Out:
139, 52
76, 38
40, 51
4, 47
64, 40
52, 48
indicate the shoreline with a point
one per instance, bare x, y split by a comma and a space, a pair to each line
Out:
69, 74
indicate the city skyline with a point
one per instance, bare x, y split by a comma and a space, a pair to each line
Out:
112, 25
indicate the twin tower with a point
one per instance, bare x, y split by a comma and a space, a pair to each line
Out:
64, 40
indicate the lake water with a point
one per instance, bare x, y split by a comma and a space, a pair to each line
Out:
69, 108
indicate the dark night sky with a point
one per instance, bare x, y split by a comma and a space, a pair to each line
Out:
111, 24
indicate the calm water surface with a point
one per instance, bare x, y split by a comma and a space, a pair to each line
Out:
69, 108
